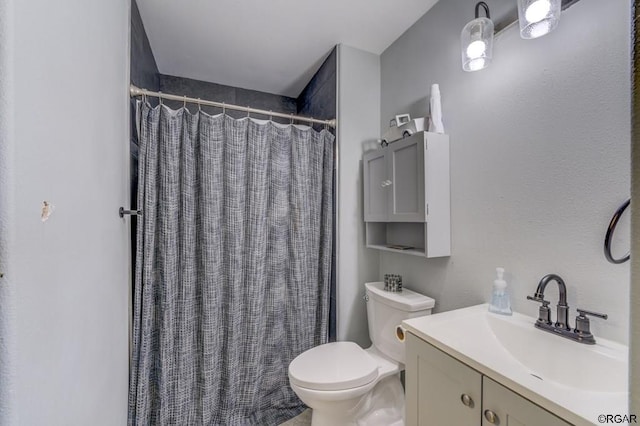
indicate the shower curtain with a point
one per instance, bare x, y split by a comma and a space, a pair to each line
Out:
233, 266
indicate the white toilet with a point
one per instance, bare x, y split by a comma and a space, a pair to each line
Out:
347, 385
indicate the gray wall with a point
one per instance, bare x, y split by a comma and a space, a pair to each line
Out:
539, 156
358, 125
634, 361
67, 108
8, 362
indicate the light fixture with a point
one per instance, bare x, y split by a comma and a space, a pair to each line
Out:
538, 17
477, 41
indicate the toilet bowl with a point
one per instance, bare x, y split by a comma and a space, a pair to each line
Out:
346, 385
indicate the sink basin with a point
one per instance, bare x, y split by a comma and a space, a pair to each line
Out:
572, 380
598, 368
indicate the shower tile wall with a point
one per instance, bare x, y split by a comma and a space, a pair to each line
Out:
227, 94
318, 100
144, 70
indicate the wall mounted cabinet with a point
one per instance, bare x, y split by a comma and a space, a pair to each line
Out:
444, 391
407, 197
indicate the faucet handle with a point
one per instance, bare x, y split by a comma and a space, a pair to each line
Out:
538, 299
544, 313
583, 327
584, 313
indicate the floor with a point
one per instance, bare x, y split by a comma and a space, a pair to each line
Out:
303, 419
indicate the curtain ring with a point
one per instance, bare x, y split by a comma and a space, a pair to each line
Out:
144, 98
184, 105
270, 115
291, 117
224, 109
248, 112
199, 105
160, 98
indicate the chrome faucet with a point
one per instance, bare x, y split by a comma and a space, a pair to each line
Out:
562, 318
581, 333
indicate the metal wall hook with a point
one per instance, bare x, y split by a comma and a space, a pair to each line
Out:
122, 212
609, 235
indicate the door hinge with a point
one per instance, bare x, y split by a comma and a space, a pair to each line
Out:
427, 209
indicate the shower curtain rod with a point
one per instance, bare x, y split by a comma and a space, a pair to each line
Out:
136, 91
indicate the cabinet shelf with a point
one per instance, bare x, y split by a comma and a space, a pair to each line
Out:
381, 235
413, 251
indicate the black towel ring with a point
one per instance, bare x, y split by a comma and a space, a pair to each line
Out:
609, 235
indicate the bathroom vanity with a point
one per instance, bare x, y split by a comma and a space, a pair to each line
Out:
472, 367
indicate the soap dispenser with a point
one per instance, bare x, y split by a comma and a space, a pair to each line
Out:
500, 302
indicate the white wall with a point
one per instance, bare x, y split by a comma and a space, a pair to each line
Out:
69, 276
539, 156
358, 125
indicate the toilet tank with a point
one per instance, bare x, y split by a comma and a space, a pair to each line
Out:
386, 310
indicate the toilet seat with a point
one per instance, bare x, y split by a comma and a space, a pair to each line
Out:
333, 367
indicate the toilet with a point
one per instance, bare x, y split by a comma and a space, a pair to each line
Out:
346, 385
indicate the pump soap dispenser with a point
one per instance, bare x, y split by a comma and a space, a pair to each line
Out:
500, 302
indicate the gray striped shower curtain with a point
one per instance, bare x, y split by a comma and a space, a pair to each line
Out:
232, 269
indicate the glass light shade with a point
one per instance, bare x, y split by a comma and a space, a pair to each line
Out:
538, 17
477, 44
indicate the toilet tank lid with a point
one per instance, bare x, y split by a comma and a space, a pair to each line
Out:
406, 300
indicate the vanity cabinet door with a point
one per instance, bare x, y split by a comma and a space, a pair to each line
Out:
503, 407
376, 186
406, 177
440, 390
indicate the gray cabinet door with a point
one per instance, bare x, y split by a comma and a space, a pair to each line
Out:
440, 390
507, 408
376, 186
406, 173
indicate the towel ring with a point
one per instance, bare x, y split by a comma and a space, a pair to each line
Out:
609, 236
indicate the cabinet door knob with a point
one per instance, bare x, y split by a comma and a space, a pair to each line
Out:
389, 182
383, 184
466, 400
491, 417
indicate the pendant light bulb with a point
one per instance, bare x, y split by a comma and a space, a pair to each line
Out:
476, 49
537, 11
